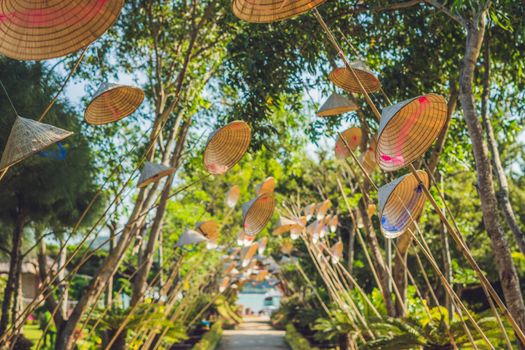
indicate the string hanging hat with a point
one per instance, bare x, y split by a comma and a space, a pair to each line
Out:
209, 229
335, 105
44, 29
266, 11
257, 213
408, 129
28, 137
113, 102
343, 78
153, 172
353, 137
401, 202
226, 147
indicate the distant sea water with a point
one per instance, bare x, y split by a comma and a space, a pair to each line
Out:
251, 300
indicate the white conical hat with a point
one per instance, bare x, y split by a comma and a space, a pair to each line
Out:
408, 129
336, 104
400, 203
153, 172
190, 237
113, 102
28, 137
266, 11
257, 213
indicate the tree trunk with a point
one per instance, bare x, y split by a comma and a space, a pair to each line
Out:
505, 265
503, 196
147, 258
16, 247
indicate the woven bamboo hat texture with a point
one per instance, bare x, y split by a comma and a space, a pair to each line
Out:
266, 11
267, 186
401, 202
209, 229
44, 29
257, 213
344, 78
226, 147
336, 104
353, 137
113, 102
153, 172
232, 197
408, 129
190, 237
28, 137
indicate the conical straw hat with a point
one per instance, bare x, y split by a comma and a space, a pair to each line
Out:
232, 197
368, 158
286, 225
226, 147
28, 137
224, 284
336, 252
322, 208
309, 211
190, 237
113, 102
262, 245
43, 29
344, 78
336, 104
153, 172
400, 203
353, 137
408, 129
248, 254
287, 247
267, 186
257, 213
266, 11
209, 229
333, 223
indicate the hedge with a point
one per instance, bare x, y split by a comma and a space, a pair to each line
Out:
295, 340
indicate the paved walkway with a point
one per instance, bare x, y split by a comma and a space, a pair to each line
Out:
253, 334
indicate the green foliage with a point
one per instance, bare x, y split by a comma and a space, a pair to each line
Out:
211, 339
295, 340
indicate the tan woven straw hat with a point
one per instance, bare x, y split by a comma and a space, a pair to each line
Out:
287, 247
227, 146
257, 213
209, 229
336, 104
44, 29
248, 253
232, 197
28, 137
336, 252
401, 202
344, 78
353, 137
322, 208
408, 129
266, 11
113, 102
153, 172
286, 225
267, 186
